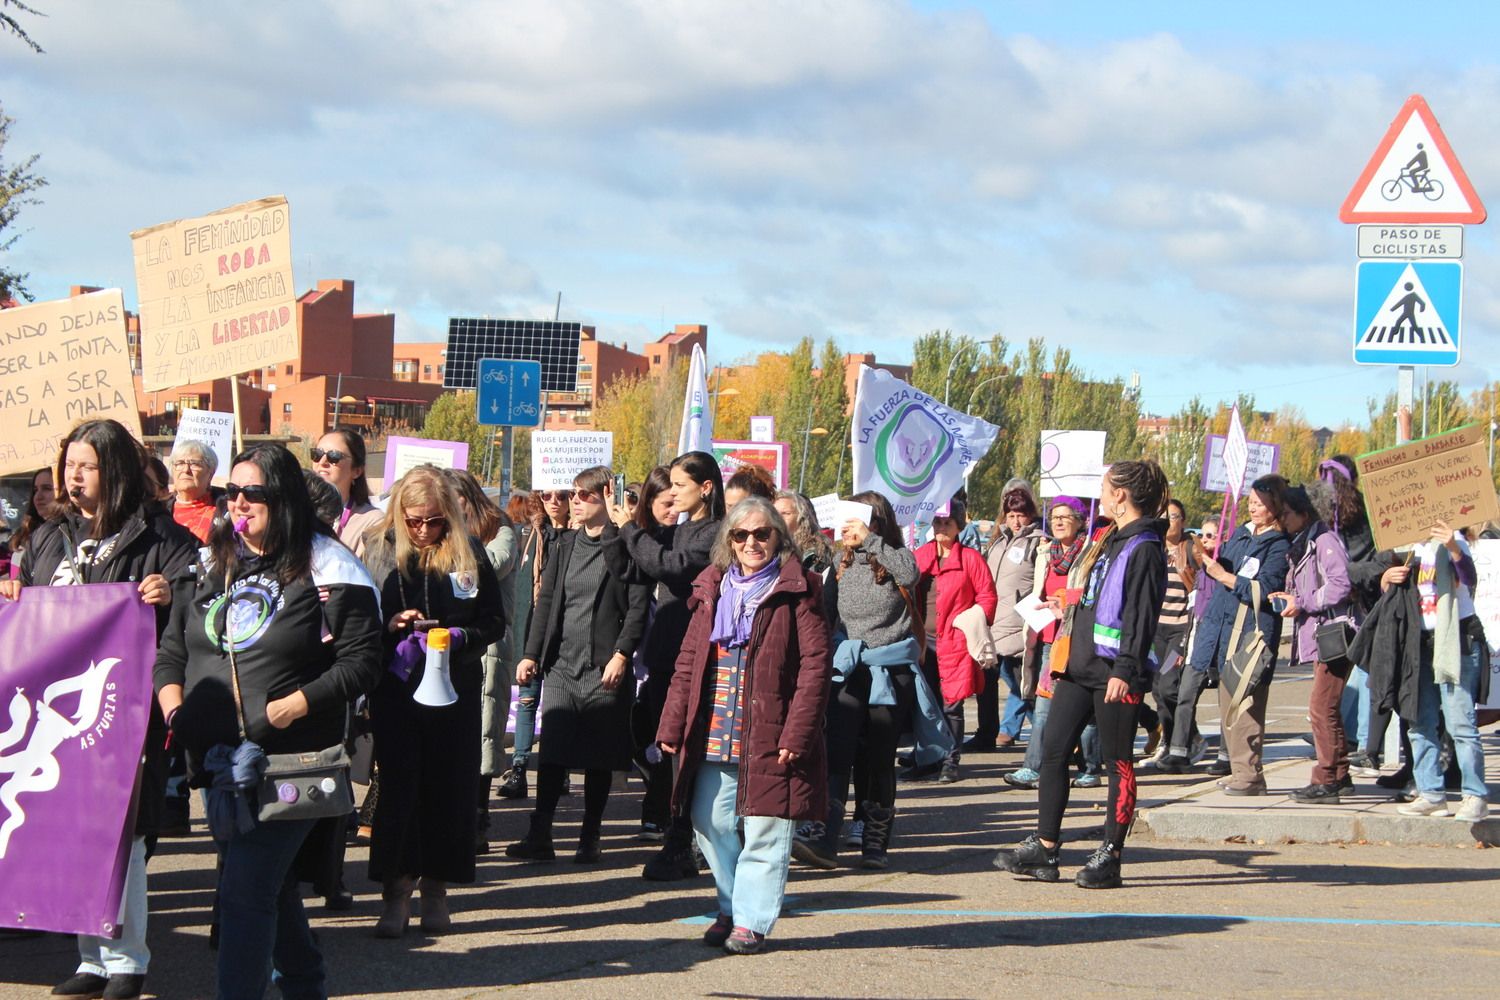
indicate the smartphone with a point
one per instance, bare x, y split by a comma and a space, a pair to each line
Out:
619, 486
424, 624
1278, 604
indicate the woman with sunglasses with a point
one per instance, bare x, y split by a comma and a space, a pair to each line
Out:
588, 623
432, 574
108, 529
548, 514
668, 559
300, 620
339, 457
744, 717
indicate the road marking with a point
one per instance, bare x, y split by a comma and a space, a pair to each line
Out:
883, 911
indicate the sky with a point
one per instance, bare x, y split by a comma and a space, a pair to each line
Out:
1154, 186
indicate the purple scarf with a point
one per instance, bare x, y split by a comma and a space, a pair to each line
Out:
739, 597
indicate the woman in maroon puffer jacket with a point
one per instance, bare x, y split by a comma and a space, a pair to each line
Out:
745, 712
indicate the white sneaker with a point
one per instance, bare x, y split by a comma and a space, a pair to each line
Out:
1473, 810
854, 836
1200, 750
1423, 807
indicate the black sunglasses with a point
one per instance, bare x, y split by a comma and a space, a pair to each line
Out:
739, 535
253, 494
333, 455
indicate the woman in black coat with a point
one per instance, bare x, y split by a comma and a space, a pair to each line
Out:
668, 560
108, 529
431, 574
584, 632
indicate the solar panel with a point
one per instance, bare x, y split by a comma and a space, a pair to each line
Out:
554, 345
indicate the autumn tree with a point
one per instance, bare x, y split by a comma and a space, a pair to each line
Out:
453, 417
644, 413
18, 186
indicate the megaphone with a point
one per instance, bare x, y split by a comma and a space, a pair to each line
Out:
436, 689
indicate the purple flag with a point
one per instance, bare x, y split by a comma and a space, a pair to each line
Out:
76, 663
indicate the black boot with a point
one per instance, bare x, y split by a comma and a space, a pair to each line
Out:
878, 822
482, 819
588, 842
537, 844
820, 846
1030, 858
513, 785
1102, 871
675, 860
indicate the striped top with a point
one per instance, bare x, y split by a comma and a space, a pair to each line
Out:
727, 721
1174, 603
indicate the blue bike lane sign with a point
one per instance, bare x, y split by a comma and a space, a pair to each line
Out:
1407, 312
509, 392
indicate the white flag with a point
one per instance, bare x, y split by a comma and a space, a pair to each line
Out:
910, 447
1236, 453
696, 430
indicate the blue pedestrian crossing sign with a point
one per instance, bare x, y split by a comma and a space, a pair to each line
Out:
510, 392
1407, 312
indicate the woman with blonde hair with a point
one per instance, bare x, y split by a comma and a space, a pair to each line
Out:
432, 574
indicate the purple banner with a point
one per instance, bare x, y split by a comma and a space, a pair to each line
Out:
76, 663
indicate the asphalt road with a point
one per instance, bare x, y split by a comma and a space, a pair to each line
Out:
1192, 919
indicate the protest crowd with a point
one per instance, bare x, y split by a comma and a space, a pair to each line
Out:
771, 676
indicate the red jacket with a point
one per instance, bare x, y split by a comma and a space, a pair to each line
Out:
785, 697
963, 582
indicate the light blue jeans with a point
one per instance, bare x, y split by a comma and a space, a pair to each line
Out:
1016, 709
750, 876
1456, 702
1033, 758
127, 954
1355, 706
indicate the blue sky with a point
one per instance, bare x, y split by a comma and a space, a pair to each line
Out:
1154, 185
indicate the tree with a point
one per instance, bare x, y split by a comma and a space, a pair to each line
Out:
453, 418
10, 25
18, 184
644, 413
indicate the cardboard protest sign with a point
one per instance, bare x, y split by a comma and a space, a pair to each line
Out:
558, 456
402, 454
1442, 478
62, 362
1262, 459
771, 456
216, 294
1072, 463
213, 429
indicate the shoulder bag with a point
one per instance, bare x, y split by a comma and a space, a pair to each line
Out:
1247, 657
295, 786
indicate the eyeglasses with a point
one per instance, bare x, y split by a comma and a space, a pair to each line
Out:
631, 496
587, 496
191, 464
560, 496
252, 494
418, 523
333, 456
1174, 517
740, 535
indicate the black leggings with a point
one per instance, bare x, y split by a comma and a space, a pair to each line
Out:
869, 733
1073, 705
550, 779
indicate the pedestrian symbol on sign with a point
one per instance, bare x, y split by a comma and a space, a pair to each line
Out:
1407, 313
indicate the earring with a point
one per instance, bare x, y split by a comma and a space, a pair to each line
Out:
1119, 509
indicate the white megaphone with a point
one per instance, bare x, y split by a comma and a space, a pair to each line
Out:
436, 689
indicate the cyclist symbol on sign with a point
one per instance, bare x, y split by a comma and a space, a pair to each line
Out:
1415, 177
1408, 304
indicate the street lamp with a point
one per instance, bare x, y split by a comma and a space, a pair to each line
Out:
948, 377
806, 434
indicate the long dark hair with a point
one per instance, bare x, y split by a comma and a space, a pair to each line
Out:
882, 523
354, 444
32, 519
484, 515
659, 480
293, 522
1146, 483
1342, 473
122, 473
701, 467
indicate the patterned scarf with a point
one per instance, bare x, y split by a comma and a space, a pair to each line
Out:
1062, 556
739, 597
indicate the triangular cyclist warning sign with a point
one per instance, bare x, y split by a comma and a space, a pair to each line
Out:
1413, 176
1408, 313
